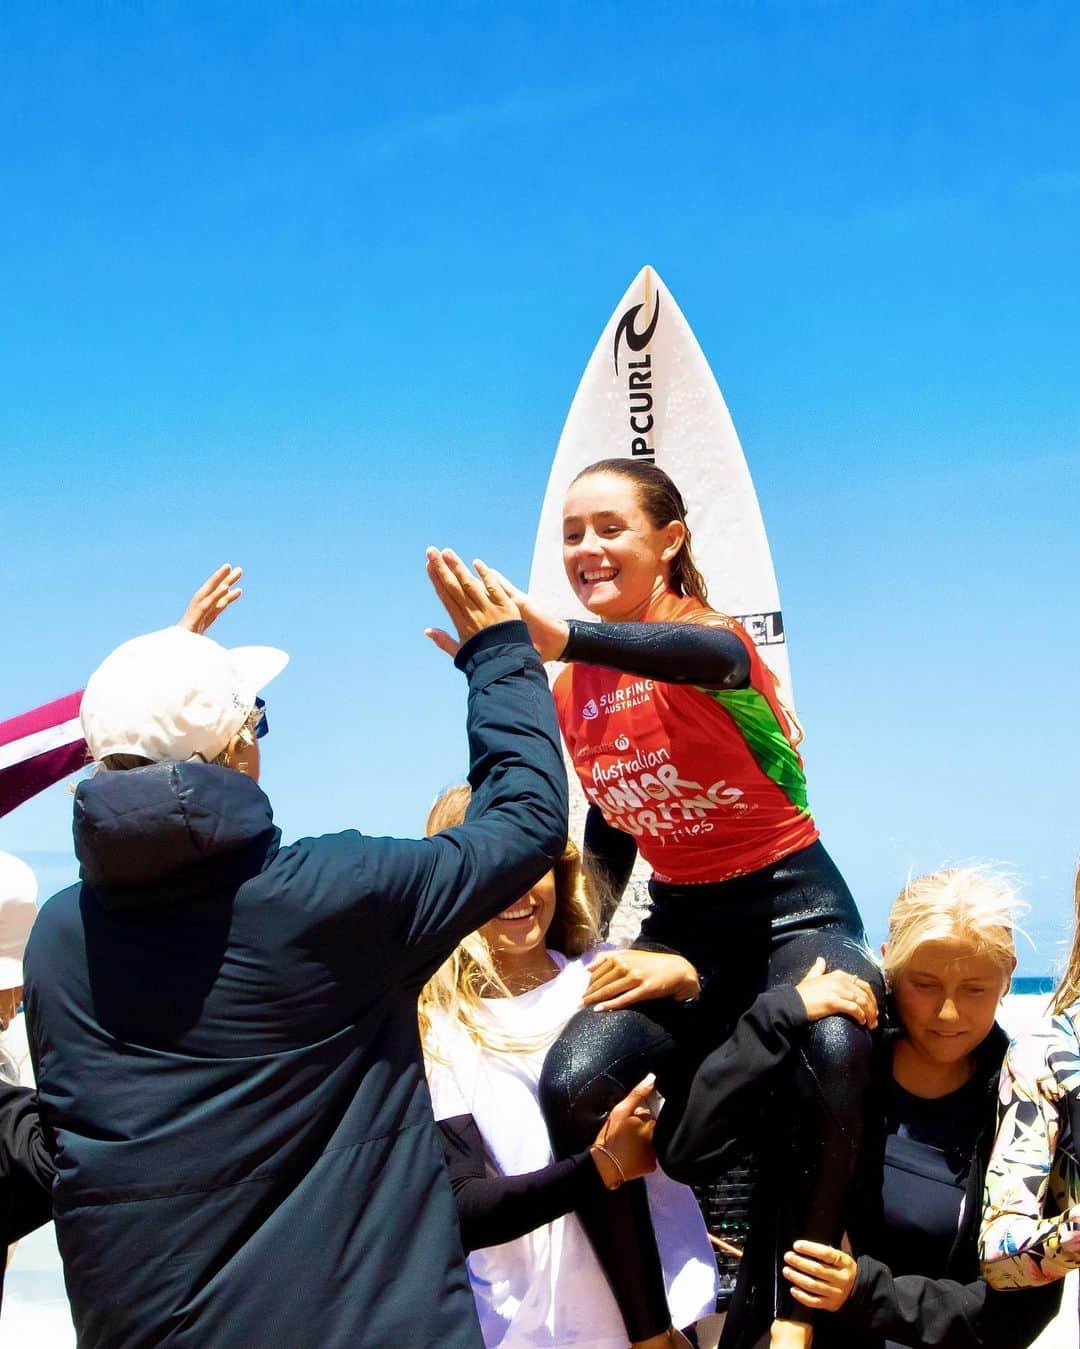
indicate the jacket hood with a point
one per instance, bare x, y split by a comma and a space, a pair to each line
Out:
150, 836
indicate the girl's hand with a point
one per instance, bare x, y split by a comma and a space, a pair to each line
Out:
820, 1276
211, 599
627, 1136
837, 994
473, 602
620, 978
549, 635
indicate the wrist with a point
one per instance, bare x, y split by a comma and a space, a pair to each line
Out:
688, 988
558, 641
607, 1167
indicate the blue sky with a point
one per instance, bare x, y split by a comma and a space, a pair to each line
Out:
307, 288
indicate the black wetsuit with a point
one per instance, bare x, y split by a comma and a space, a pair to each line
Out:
745, 935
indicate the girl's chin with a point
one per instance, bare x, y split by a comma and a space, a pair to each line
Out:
598, 604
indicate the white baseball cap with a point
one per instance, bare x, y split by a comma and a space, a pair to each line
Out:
18, 909
174, 694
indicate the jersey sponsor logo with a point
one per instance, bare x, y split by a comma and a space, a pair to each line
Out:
618, 700
617, 746
764, 629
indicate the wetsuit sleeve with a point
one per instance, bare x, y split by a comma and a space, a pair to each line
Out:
494, 1209
609, 857
422, 896
701, 1124
676, 653
942, 1314
26, 1168
1019, 1246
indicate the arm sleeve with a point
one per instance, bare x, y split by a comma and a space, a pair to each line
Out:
1019, 1246
609, 857
942, 1314
494, 1209
26, 1168
677, 653
698, 1127
427, 894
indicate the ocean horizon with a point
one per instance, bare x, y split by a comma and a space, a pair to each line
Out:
1027, 985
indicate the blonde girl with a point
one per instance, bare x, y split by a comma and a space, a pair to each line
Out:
487, 1019
912, 1277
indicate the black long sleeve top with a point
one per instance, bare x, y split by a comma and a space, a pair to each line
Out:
493, 1209
26, 1168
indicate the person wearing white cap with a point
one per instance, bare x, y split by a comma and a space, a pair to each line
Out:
224, 1028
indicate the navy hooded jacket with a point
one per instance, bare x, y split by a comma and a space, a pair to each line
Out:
228, 1064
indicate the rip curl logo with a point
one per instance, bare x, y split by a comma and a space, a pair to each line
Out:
590, 711
636, 341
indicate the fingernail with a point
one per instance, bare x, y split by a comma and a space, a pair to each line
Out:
648, 1080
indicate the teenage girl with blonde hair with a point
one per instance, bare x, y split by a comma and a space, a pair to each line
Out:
911, 1275
487, 1019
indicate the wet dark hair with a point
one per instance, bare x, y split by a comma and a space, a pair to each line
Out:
662, 502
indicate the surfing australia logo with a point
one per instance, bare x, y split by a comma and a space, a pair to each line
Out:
639, 385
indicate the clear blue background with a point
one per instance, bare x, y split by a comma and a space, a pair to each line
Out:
309, 287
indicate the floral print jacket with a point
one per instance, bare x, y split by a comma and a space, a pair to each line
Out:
1031, 1211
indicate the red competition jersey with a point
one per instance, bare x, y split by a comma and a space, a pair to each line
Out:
708, 781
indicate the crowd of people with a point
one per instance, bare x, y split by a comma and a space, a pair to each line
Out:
396, 1092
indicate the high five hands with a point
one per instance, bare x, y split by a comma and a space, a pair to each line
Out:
211, 599
472, 602
549, 635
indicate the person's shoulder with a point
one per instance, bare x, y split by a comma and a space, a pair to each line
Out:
59, 909
1043, 1058
671, 608
56, 919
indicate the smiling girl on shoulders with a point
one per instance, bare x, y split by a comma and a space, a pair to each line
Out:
687, 755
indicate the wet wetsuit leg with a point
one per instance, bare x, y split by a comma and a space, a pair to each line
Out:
821, 1120
589, 1069
746, 935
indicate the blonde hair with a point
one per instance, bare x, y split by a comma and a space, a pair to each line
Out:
1068, 990
456, 988
975, 904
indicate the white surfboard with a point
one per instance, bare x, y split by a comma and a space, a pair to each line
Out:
648, 393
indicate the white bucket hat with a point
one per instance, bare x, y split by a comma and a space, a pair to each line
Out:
18, 909
174, 694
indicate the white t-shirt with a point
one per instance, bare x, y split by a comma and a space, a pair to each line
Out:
547, 1288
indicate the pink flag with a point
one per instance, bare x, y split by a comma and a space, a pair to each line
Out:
38, 749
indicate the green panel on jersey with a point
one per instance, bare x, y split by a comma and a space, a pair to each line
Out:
765, 739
